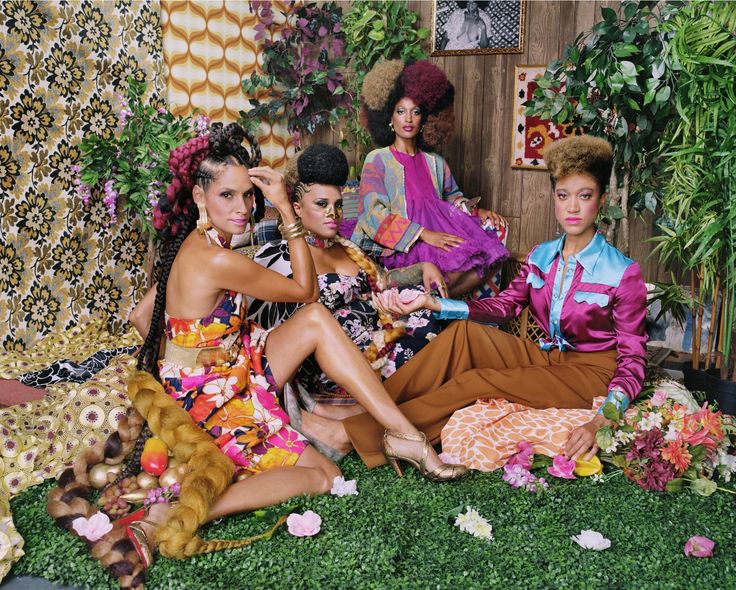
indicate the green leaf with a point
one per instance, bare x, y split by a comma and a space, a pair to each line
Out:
422, 33
604, 437
698, 453
629, 35
663, 95
541, 461
628, 71
611, 412
703, 487
609, 15
377, 35
630, 9
633, 104
675, 485
624, 49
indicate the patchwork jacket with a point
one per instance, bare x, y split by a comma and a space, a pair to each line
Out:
382, 224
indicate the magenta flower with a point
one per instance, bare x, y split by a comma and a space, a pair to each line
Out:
523, 457
659, 398
562, 467
699, 547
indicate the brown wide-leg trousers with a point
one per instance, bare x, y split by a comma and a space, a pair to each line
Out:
470, 361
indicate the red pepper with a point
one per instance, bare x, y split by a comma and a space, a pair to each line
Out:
155, 456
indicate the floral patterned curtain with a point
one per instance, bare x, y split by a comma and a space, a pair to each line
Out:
62, 64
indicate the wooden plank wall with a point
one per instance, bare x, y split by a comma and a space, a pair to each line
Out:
480, 153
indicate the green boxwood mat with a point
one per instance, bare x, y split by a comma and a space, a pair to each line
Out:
395, 535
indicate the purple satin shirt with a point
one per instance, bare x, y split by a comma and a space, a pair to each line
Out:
601, 306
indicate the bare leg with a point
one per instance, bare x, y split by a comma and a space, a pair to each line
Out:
313, 474
313, 330
338, 412
461, 282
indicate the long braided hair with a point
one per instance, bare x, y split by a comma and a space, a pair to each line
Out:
198, 161
327, 164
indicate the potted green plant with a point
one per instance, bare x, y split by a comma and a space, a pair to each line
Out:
302, 77
615, 82
699, 200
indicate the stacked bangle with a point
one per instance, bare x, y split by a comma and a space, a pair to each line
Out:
293, 230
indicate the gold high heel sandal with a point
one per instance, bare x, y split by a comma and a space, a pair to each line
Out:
445, 472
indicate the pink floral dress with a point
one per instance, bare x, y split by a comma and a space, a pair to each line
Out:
216, 370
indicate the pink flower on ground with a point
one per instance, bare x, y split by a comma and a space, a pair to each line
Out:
659, 397
699, 547
93, 528
516, 475
562, 467
524, 456
304, 525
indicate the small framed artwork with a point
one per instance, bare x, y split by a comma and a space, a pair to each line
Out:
477, 26
530, 133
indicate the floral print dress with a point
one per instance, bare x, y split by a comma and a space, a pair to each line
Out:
215, 369
348, 298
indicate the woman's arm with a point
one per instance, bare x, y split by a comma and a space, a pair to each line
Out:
142, 313
377, 219
425, 273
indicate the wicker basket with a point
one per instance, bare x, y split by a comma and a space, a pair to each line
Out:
524, 325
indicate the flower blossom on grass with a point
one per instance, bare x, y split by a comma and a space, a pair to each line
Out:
304, 525
588, 539
519, 477
524, 457
93, 528
341, 487
562, 467
699, 547
473, 523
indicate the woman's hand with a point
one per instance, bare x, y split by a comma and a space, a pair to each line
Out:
272, 184
495, 219
432, 278
388, 302
582, 439
440, 239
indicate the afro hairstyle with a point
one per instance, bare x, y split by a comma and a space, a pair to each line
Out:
317, 164
583, 154
421, 81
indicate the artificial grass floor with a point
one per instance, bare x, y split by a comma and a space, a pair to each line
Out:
395, 535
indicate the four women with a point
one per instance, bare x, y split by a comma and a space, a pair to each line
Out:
228, 372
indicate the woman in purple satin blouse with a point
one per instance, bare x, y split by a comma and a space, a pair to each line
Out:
588, 298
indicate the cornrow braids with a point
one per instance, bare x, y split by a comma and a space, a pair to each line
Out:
391, 330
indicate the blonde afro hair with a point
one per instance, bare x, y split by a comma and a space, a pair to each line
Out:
583, 154
379, 83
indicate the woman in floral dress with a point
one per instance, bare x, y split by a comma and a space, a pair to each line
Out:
347, 278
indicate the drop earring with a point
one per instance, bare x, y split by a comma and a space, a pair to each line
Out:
203, 222
391, 126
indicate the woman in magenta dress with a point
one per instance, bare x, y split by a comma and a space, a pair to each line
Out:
412, 209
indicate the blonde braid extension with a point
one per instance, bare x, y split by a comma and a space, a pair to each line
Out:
210, 473
375, 356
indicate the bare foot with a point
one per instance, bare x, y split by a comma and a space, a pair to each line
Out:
338, 412
329, 432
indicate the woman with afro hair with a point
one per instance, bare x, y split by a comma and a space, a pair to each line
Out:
411, 207
347, 279
587, 297
222, 375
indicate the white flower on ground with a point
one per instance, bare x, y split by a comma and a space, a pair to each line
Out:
93, 528
472, 522
597, 478
588, 539
341, 487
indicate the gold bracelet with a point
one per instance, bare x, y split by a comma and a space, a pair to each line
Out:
293, 230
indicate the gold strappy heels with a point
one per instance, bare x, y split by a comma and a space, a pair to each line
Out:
445, 472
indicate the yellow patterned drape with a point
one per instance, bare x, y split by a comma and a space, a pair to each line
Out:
209, 48
61, 66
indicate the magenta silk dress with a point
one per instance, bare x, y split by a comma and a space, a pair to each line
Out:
481, 250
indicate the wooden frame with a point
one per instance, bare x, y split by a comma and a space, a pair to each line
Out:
502, 21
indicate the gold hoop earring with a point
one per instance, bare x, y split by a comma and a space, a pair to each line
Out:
203, 223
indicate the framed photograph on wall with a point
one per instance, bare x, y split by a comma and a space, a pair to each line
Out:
530, 133
477, 26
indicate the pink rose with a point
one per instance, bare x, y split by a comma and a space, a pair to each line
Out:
304, 525
93, 528
699, 547
562, 467
659, 397
524, 457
